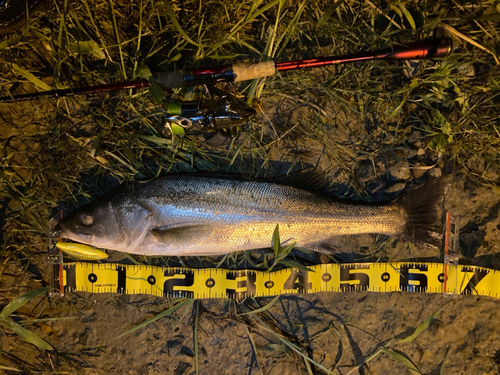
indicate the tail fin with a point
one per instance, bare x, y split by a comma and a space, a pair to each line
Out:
422, 209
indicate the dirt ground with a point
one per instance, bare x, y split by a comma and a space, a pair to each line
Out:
337, 330
63, 151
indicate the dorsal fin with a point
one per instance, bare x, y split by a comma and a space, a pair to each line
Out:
310, 180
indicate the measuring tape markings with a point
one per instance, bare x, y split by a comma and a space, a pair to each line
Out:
221, 283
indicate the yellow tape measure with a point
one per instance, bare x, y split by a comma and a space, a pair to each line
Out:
221, 283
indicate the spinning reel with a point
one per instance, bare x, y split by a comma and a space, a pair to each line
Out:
223, 112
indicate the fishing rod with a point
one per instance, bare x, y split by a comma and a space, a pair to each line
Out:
225, 111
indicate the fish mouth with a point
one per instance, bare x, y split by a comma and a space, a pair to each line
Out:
80, 236
57, 228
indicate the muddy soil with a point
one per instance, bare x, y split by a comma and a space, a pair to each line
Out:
339, 331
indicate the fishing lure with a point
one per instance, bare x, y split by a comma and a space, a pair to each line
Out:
81, 251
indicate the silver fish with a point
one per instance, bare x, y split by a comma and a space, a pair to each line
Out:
193, 215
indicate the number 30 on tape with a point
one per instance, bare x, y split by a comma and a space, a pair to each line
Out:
220, 283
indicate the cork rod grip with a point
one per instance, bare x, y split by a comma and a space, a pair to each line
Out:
246, 71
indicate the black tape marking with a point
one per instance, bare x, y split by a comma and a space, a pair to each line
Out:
326, 277
406, 276
269, 284
249, 284
474, 280
385, 277
122, 279
346, 276
168, 285
299, 281
92, 277
151, 280
210, 283
70, 279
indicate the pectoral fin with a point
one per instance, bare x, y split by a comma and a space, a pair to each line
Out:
183, 231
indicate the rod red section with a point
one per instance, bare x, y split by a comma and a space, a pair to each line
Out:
412, 51
322, 61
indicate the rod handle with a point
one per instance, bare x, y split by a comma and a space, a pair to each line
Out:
247, 71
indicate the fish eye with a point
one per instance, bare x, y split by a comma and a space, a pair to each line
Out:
86, 219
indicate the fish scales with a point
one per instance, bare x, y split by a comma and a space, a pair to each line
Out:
193, 215
243, 214
189, 215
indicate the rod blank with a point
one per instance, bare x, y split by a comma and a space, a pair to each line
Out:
433, 48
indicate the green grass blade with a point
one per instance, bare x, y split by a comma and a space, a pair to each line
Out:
186, 310
328, 13
25, 334
293, 347
441, 370
8, 43
263, 308
241, 23
31, 321
458, 34
401, 358
21, 301
96, 29
169, 311
258, 13
280, 348
290, 29
9, 369
254, 347
276, 241
174, 20
288, 248
30, 77
367, 359
295, 264
308, 366
408, 16
133, 260
117, 33
421, 327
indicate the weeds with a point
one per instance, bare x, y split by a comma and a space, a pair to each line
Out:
177, 306
339, 118
399, 356
6, 321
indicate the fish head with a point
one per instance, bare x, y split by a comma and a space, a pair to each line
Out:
95, 224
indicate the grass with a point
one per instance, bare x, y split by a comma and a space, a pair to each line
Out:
339, 118
7, 322
265, 323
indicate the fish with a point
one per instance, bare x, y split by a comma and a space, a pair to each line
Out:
194, 215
